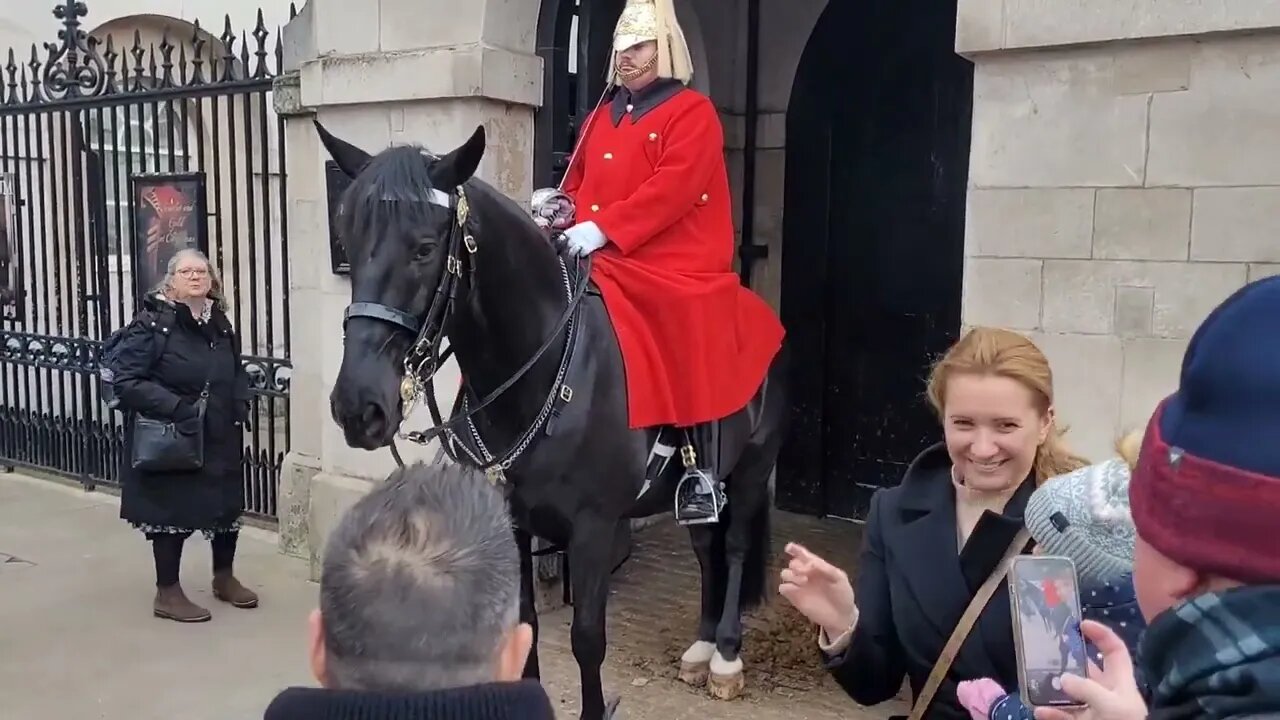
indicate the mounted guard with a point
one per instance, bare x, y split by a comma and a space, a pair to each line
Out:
647, 196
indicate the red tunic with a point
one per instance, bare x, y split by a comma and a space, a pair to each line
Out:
695, 343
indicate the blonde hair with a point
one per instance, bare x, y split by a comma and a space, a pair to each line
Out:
993, 351
216, 293
1128, 448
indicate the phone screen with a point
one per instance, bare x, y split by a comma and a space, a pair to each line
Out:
1046, 626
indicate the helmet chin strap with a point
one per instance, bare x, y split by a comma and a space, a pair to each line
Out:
637, 72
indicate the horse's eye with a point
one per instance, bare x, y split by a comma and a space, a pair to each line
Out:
424, 251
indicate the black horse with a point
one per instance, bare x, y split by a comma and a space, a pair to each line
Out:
434, 251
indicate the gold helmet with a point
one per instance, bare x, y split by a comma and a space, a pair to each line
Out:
644, 20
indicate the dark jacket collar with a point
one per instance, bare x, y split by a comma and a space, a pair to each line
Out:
524, 700
640, 103
928, 515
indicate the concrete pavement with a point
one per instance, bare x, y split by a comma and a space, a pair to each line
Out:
77, 639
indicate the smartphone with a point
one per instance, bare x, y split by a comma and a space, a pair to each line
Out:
1045, 598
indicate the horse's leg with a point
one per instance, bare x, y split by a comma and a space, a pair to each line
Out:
528, 608
746, 545
589, 561
708, 545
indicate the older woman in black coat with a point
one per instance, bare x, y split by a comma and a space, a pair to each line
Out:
178, 342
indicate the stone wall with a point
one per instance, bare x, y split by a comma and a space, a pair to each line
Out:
1118, 190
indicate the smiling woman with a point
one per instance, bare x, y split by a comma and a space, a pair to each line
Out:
937, 545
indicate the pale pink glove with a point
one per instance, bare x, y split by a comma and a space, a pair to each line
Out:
978, 696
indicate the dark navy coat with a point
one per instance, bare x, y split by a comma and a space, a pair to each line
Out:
913, 586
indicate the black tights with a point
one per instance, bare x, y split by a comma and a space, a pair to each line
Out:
167, 548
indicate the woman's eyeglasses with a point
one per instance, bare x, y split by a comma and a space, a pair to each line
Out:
193, 272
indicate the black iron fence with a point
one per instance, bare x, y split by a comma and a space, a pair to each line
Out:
114, 153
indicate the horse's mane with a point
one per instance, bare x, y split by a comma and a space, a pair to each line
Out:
392, 192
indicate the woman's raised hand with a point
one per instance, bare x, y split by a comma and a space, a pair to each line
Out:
819, 590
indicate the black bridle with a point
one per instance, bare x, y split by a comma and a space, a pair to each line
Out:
423, 358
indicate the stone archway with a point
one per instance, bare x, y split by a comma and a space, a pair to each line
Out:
873, 246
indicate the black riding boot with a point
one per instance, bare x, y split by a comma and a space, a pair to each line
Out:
700, 496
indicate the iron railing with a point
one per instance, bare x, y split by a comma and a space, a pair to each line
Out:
77, 129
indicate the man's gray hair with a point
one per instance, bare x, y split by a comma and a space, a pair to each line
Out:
420, 583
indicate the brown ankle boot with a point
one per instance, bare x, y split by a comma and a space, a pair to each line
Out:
229, 590
172, 604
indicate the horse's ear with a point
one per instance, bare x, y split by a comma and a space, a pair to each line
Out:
351, 159
458, 166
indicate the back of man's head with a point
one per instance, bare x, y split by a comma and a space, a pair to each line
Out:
420, 587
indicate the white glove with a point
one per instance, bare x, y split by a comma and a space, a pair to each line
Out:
584, 239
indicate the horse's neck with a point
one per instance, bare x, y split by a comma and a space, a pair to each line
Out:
515, 298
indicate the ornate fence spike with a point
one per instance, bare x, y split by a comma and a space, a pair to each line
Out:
34, 64
228, 52
166, 60
74, 68
279, 51
11, 97
110, 56
151, 66
244, 55
197, 48
139, 59
182, 64
261, 35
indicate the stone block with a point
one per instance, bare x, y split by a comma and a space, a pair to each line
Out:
1258, 271
1152, 67
1135, 311
340, 27
1087, 371
1151, 370
1220, 131
1236, 225
1044, 23
1079, 295
331, 496
295, 504
1029, 223
979, 26
416, 24
1053, 120
426, 74
1142, 224
1002, 292
308, 406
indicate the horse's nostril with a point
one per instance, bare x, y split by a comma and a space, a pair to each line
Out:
374, 420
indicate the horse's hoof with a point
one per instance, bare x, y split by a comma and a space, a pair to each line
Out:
726, 687
695, 664
694, 674
726, 680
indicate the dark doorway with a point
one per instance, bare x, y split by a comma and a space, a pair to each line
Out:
570, 90
877, 169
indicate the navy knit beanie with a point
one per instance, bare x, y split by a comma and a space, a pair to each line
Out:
1206, 492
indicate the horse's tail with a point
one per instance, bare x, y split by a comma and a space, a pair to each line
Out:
755, 570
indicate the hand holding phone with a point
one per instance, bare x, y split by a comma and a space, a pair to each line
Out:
1045, 599
1111, 693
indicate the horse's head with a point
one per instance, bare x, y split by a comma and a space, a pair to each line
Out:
397, 222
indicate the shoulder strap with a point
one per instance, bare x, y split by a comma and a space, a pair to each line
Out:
965, 626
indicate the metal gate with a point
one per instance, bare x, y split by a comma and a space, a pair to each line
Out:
95, 133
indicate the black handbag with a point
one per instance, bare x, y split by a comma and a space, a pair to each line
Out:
170, 445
